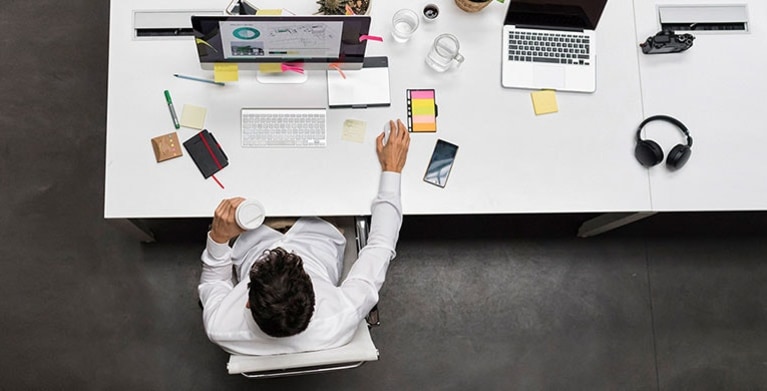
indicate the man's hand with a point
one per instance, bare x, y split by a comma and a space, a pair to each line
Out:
393, 155
224, 225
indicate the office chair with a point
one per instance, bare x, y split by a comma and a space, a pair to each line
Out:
352, 355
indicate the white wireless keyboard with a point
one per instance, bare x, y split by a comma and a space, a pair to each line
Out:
284, 128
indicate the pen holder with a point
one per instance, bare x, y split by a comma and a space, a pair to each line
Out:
472, 5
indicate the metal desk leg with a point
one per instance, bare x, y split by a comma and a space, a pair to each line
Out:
609, 221
137, 229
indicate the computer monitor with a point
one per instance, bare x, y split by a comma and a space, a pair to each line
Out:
314, 41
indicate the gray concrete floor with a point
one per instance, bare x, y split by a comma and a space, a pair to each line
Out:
472, 302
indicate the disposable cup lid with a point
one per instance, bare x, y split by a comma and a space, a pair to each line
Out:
250, 214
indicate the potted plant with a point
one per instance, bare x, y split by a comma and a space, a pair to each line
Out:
338, 7
472, 5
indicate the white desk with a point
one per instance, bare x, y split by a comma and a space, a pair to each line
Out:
509, 161
716, 89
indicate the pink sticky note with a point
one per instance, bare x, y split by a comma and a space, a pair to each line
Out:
422, 94
292, 67
370, 38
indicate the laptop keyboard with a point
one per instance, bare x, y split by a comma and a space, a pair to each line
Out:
284, 128
555, 48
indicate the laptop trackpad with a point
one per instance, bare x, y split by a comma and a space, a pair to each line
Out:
549, 76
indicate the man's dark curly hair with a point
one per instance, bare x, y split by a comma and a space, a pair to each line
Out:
281, 294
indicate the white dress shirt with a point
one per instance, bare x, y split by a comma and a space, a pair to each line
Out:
338, 308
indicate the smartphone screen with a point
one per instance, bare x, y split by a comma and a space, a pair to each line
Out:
441, 163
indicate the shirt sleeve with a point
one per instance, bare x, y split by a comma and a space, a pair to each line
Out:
216, 277
368, 273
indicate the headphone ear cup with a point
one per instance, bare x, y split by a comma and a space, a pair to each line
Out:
678, 156
648, 153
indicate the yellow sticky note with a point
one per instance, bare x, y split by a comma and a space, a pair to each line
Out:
270, 67
422, 106
544, 102
193, 117
225, 72
269, 12
354, 130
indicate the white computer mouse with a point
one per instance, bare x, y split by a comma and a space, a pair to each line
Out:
387, 130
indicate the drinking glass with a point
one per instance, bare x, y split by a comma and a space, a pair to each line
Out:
404, 24
444, 52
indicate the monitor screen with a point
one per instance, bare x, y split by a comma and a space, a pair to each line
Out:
314, 41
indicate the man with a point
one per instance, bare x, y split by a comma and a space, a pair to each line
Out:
285, 297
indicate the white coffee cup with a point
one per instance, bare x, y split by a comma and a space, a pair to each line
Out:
250, 214
430, 12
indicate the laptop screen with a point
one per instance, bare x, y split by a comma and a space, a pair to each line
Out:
569, 14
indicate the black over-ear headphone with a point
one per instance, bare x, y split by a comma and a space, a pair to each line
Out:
649, 153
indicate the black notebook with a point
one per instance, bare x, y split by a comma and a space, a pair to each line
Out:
206, 153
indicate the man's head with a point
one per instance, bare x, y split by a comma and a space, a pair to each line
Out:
281, 296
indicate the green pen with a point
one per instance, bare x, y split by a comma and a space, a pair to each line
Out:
172, 110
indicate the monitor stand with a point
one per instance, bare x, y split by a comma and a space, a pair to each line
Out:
288, 77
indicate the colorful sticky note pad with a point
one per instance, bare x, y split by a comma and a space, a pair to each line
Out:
223, 72
193, 117
354, 130
270, 67
544, 102
421, 111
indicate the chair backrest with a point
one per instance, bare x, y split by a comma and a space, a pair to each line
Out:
358, 351
351, 355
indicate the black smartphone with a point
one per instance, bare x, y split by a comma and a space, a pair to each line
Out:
441, 163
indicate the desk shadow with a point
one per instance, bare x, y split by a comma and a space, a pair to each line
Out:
492, 226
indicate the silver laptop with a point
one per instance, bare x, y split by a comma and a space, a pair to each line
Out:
551, 44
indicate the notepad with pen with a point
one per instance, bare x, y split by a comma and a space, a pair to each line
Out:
367, 87
206, 153
421, 111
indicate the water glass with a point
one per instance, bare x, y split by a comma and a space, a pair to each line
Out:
444, 52
404, 24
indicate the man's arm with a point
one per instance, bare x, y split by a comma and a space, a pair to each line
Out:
369, 271
216, 277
